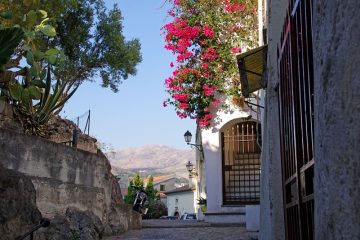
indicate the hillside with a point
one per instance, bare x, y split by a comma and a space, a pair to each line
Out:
151, 159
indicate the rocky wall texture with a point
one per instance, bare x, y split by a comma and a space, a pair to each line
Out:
66, 177
337, 119
18, 211
57, 129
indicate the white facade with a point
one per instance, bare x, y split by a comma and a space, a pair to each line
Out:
180, 202
211, 142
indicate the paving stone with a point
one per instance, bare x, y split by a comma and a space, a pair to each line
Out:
178, 230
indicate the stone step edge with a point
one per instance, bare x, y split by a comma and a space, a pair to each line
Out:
223, 213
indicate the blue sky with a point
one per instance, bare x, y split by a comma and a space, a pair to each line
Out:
135, 116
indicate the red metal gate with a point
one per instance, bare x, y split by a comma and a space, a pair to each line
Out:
296, 91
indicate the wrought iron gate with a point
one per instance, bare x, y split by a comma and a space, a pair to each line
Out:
241, 163
296, 91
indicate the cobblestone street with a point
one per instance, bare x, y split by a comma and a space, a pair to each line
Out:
165, 229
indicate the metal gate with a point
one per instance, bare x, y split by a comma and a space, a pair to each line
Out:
241, 163
296, 91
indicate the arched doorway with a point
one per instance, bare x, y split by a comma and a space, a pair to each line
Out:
241, 163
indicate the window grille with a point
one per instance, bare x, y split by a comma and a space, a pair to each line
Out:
241, 163
296, 91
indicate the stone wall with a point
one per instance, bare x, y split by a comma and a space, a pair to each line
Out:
18, 212
337, 119
64, 176
57, 129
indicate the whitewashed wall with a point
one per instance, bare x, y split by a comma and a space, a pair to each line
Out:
185, 203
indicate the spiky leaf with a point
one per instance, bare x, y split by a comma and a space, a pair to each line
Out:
38, 83
43, 74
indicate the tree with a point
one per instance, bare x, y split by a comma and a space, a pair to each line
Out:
150, 190
64, 43
156, 207
90, 36
92, 40
137, 181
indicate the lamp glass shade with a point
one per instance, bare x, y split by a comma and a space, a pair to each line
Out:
189, 166
187, 136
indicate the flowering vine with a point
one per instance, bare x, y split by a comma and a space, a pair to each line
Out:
204, 36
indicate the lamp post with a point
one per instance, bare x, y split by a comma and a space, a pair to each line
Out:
191, 169
188, 137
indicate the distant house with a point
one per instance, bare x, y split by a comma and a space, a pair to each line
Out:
163, 197
180, 201
165, 183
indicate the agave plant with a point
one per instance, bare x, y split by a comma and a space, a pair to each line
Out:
38, 102
35, 98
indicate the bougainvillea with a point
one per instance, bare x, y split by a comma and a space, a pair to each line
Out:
204, 36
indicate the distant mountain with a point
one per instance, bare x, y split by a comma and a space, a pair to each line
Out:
151, 159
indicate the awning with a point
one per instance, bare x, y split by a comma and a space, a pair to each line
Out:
252, 66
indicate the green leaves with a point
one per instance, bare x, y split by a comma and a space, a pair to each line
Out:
48, 30
42, 13
34, 92
15, 91
30, 18
9, 40
30, 58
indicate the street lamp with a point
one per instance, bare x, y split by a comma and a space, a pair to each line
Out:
190, 168
188, 137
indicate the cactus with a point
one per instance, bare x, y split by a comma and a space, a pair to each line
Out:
35, 116
35, 99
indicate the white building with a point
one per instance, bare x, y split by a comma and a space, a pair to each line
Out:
180, 201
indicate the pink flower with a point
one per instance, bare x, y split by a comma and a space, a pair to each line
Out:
181, 97
165, 103
183, 105
204, 65
208, 31
171, 13
210, 54
208, 91
205, 121
236, 50
181, 115
216, 102
171, 64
